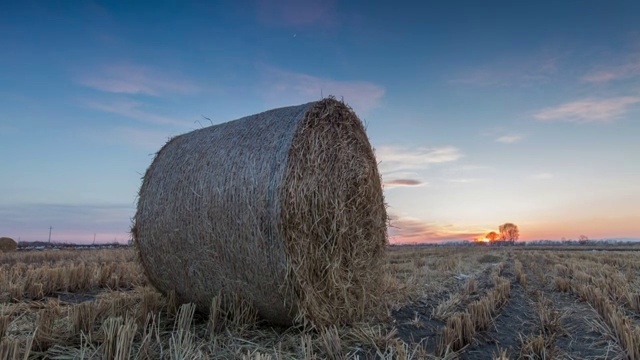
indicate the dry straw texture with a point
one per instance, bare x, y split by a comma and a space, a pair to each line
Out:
283, 209
7, 244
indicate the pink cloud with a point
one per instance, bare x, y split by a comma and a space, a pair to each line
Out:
403, 183
588, 110
297, 13
412, 230
71, 222
393, 158
627, 70
133, 110
287, 88
136, 79
75, 237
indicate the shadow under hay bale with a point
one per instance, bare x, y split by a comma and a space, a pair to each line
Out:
283, 208
7, 244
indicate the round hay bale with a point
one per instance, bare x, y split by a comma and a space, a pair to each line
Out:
7, 244
283, 209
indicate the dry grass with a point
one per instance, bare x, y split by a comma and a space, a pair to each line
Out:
603, 283
97, 304
91, 315
541, 343
461, 327
521, 277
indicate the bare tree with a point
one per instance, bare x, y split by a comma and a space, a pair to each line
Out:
583, 240
509, 232
492, 236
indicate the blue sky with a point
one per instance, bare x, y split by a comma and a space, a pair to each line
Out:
524, 112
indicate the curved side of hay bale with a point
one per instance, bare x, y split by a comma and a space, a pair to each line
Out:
282, 208
7, 244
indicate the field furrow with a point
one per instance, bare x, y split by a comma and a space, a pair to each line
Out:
507, 327
573, 326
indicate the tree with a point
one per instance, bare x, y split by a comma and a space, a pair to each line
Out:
509, 232
583, 240
492, 236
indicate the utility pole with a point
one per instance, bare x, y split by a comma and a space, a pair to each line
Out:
94, 238
50, 227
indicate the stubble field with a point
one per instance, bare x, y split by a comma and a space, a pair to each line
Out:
440, 303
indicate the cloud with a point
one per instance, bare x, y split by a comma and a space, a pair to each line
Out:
542, 176
469, 168
132, 109
464, 180
627, 70
297, 13
137, 79
515, 71
287, 88
147, 139
509, 139
412, 230
70, 222
403, 183
588, 110
394, 158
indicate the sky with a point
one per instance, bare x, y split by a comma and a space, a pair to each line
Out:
479, 113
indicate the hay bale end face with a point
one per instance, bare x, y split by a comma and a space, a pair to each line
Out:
7, 244
283, 208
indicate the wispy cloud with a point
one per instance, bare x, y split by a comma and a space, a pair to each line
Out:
514, 71
509, 139
297, 13
464, 180
403, 183
589, 110
627, 70
406, 229
134, 110
71, 222
469, 168
147, 139
393, 158
542, 176
288, 88
137, 79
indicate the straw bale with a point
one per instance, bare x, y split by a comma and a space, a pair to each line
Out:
283, 209
7, 244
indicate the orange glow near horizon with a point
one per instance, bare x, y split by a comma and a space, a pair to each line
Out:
412, 230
